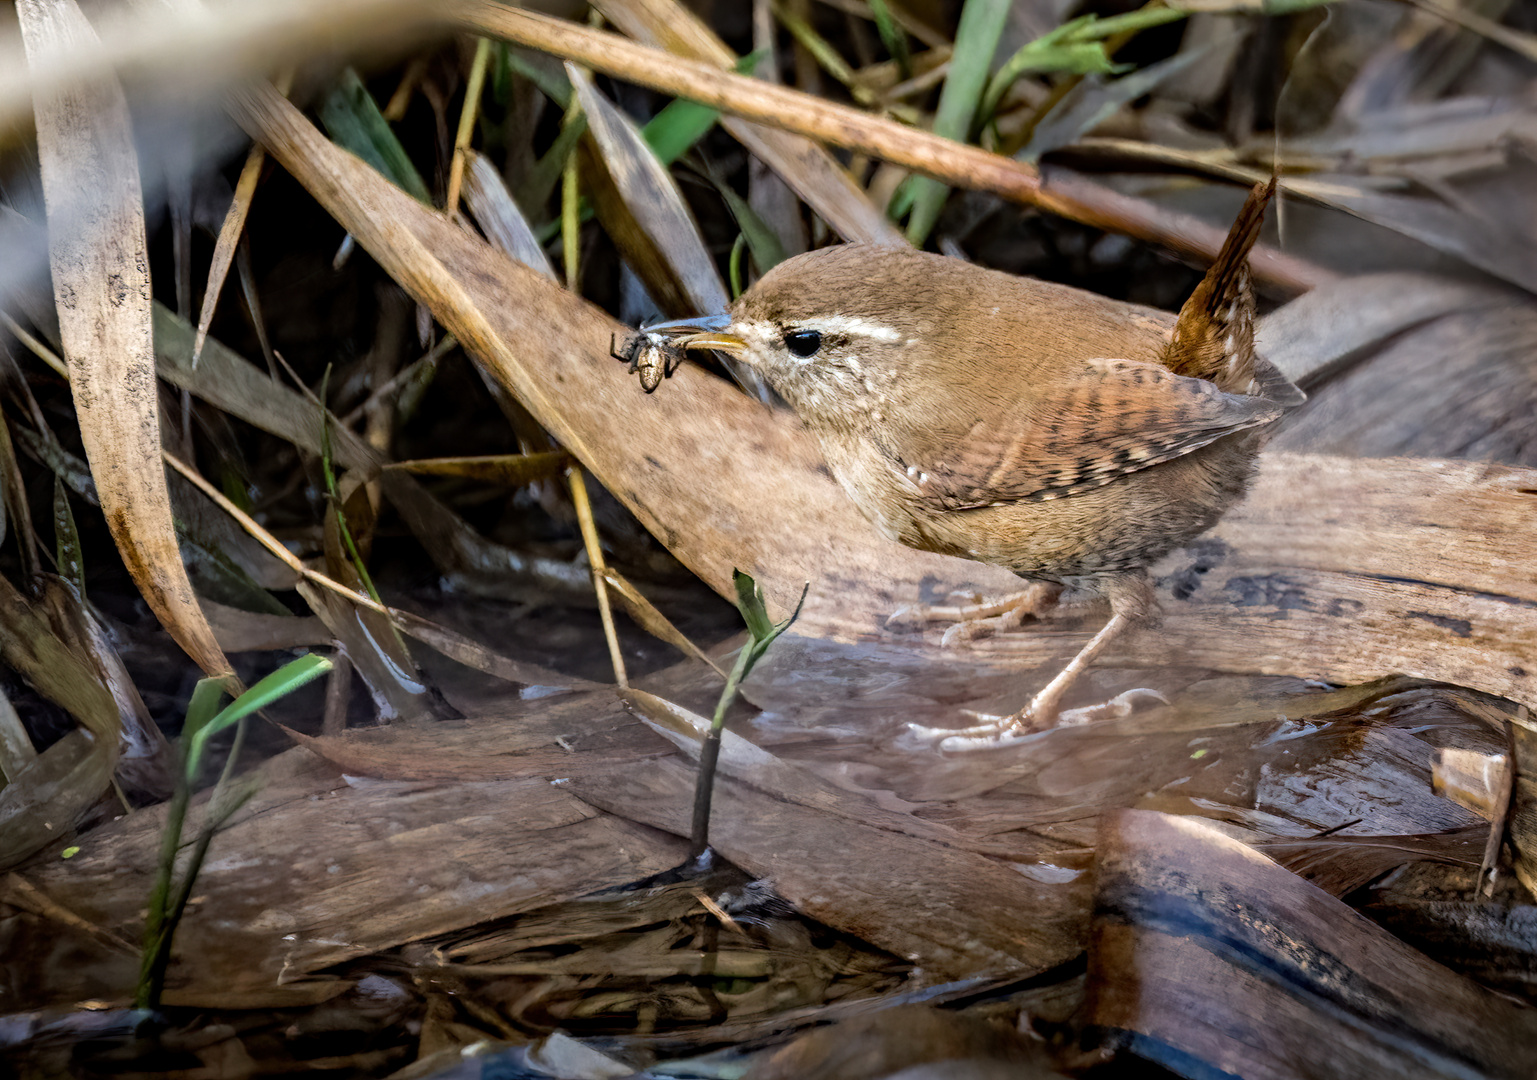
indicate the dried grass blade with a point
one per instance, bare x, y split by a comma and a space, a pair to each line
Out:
100, 263
512, 470
652, 621
499, 216
229, 239
665, 246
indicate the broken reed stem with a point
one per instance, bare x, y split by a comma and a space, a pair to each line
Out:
583, 507
954, 163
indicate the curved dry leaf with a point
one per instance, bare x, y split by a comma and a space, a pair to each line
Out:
100, 263
42, 801
661, 239
499, 216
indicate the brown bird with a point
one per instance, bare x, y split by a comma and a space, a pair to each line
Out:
1070, 438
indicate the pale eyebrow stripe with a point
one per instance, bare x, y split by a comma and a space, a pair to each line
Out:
852, 325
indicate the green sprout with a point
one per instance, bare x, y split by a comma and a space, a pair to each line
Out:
168, 898
761, 632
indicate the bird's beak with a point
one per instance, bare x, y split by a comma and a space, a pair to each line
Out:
701, 332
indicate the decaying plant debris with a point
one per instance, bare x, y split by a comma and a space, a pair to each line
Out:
326, 363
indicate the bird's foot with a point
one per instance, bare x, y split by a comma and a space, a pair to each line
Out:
976, 616
994, 732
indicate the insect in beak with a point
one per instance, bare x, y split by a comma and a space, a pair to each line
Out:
655, 351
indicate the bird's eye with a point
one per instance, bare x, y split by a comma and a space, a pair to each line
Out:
803, 343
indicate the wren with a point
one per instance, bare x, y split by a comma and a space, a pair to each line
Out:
1071, 438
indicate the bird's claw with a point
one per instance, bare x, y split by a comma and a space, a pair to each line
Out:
994, 732
976, 616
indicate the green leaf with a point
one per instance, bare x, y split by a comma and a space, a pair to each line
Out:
354, 122
892, 36
285, 680
760, 628
737, 248
762, 241
203, 707
976, 39
1076, 47
551, 80
749, 601
680, 125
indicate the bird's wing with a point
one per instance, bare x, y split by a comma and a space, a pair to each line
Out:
1111, 418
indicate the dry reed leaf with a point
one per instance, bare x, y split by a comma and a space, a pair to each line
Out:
100, 262
782, 779
806, 167
952, 912
320, 878
224, 248
1229, 964
499, 217
656, 233
511, 470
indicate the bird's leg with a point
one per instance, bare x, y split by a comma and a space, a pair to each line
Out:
983, 615
1131, 601
1043, 710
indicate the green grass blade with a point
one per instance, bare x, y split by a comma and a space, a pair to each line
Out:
203, 707
352, 118
679, 126
893, 37
762, 241
284, 680
976, 39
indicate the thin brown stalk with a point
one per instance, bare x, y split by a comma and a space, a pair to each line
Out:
583, 507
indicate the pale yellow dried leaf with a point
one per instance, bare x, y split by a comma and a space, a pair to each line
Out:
100, 262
